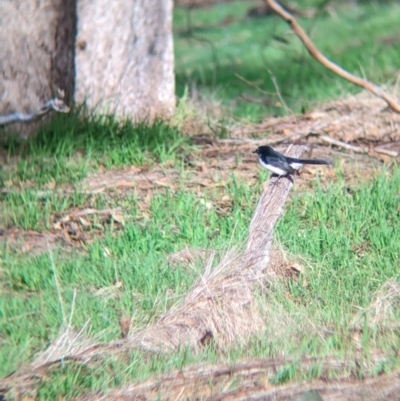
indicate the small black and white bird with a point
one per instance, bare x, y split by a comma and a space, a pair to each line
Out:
283, 165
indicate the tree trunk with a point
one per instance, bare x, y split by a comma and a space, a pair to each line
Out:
124, 57
118, 56
36, 52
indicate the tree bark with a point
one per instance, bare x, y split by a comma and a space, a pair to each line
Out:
117, 56
124, 57
36, 52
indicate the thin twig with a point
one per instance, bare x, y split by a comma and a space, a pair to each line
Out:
278, 92
317, 55
255, 86
72, 311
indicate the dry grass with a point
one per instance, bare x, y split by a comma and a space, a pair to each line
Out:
189, 257
252, 378
222, 308
379, 314
360, 119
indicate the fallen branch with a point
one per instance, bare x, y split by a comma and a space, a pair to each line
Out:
55, 104
215, 382
89, 211
317, 55
220, 309
267, 214
388, 152
384, 387
258, 142
341, 144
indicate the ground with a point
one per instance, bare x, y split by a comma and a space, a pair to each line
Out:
109, 228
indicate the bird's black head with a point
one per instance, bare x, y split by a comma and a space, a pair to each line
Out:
263, 150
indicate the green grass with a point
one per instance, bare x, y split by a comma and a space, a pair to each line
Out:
364, 220
348, 237
211, 55
137, 257
327, 228
351, 237
70, 146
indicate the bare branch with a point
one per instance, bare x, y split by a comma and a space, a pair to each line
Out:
317, 55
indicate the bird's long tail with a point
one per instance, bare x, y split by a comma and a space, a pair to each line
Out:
310, 161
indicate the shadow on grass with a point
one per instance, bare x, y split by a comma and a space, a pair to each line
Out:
66, 147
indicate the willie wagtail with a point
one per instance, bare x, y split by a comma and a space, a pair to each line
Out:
283, 165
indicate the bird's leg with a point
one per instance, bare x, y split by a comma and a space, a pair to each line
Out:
278, 177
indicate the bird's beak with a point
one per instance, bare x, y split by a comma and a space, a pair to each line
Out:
254, 151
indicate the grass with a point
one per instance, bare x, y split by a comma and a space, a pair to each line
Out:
364, 224
348, 238
351, 238
212, 55
137, 258
346, 235
70, 146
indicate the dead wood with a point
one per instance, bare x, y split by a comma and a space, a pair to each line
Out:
250, 377
382, 150
340, 144
359, 124
267, 214
220, 309
336, 69
381, 388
